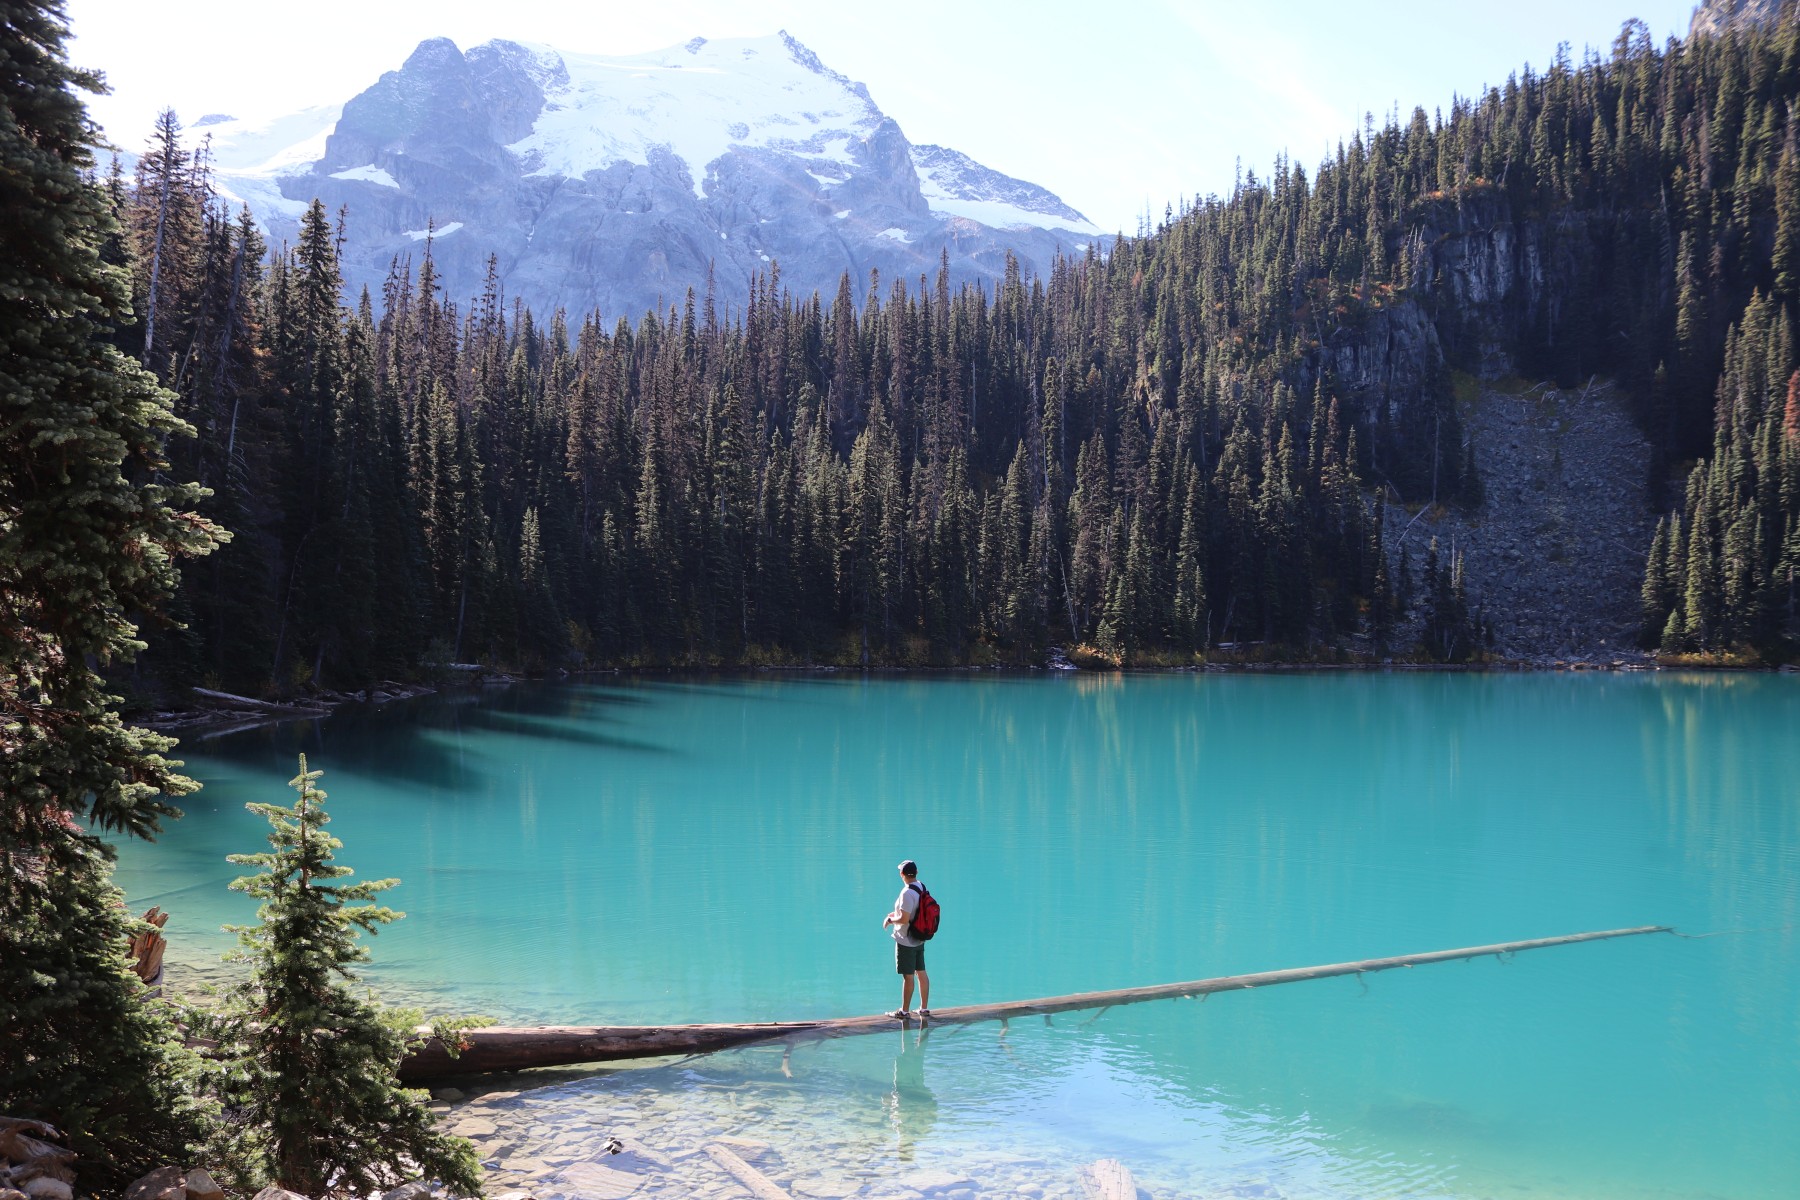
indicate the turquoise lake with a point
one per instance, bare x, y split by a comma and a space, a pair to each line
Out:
660, 850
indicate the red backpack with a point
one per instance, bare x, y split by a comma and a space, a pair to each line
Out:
925, 918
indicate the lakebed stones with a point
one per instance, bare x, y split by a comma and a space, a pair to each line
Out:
935, 1182
592, 1181
808, 1150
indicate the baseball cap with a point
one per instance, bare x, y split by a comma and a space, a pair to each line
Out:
909, 867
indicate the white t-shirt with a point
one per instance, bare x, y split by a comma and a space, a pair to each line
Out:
908, 903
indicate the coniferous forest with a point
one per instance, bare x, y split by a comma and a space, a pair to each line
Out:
1192, 441
1150, 452
1169, 443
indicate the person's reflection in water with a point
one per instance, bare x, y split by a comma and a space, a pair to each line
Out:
912, 1109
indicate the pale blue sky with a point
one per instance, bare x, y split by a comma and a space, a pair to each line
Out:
1116, 107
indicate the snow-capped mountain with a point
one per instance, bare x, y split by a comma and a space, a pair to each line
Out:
616, 182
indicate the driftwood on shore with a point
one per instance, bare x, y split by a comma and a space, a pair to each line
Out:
512, 1049
32, 1163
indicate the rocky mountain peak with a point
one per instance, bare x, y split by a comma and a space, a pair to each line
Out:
1722, 16
806, 58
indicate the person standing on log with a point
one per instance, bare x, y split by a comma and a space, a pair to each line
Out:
909, 951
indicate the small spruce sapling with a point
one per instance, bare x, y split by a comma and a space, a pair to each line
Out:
308, 1066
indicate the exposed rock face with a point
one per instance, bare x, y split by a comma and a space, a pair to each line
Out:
616, 183
1555, 552
1516, 293
1719, 16
1491, 293
1384, 361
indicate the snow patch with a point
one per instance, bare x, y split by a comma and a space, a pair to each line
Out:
369, 174
261, 194
442, 231
285, 145
841, 213
696, 101
898, 235
998, 214
955, 185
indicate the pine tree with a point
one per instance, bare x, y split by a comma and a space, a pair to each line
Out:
1656, 597
1674, 631
1786, 257
167, 217
1450, 633
87, 547
306, 1065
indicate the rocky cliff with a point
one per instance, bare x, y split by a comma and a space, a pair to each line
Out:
1542, 487
617, 183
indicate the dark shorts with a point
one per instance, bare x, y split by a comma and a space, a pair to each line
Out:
908, 959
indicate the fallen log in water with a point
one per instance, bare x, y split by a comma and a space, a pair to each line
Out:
1108, 1179
297, 708
504, 1049
760, 1185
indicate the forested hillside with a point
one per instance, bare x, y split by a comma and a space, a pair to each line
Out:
1176, 443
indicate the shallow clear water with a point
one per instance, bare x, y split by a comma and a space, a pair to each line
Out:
662, 851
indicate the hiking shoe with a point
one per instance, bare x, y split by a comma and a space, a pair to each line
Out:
900, 1014
925, 1014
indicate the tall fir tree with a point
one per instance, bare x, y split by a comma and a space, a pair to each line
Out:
89, 536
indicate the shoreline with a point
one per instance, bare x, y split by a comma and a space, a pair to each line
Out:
227, 714
224, 713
